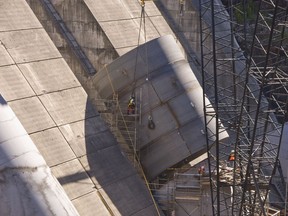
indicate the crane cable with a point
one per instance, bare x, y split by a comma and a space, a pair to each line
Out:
147, 79
138, 42
151, 124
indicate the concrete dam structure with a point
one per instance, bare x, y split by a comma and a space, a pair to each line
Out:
67, 71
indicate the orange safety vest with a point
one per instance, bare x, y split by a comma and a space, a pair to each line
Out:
231, 156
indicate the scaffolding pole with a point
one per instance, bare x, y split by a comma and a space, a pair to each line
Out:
245, 77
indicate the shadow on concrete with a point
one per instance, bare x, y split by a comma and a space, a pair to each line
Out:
119, 186
2, 101
116, 180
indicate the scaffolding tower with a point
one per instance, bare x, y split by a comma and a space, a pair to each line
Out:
244, 75
123, 126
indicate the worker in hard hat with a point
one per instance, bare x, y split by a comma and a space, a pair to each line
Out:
231, 156
131, 106
231, 159
201, 170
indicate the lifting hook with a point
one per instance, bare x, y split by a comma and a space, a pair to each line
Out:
151, 124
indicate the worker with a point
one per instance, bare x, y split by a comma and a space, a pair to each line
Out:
201, 170
231, 156
131, 106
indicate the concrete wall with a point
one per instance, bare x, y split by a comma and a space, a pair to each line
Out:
186, 26
184, 22
86, 31
84, 28
52, 106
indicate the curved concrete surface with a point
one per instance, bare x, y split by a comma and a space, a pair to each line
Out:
26, 183
166, 89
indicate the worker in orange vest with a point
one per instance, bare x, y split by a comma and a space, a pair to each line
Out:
232, 156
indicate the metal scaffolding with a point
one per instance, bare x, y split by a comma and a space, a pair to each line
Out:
183, 192
245, 77
122, 125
